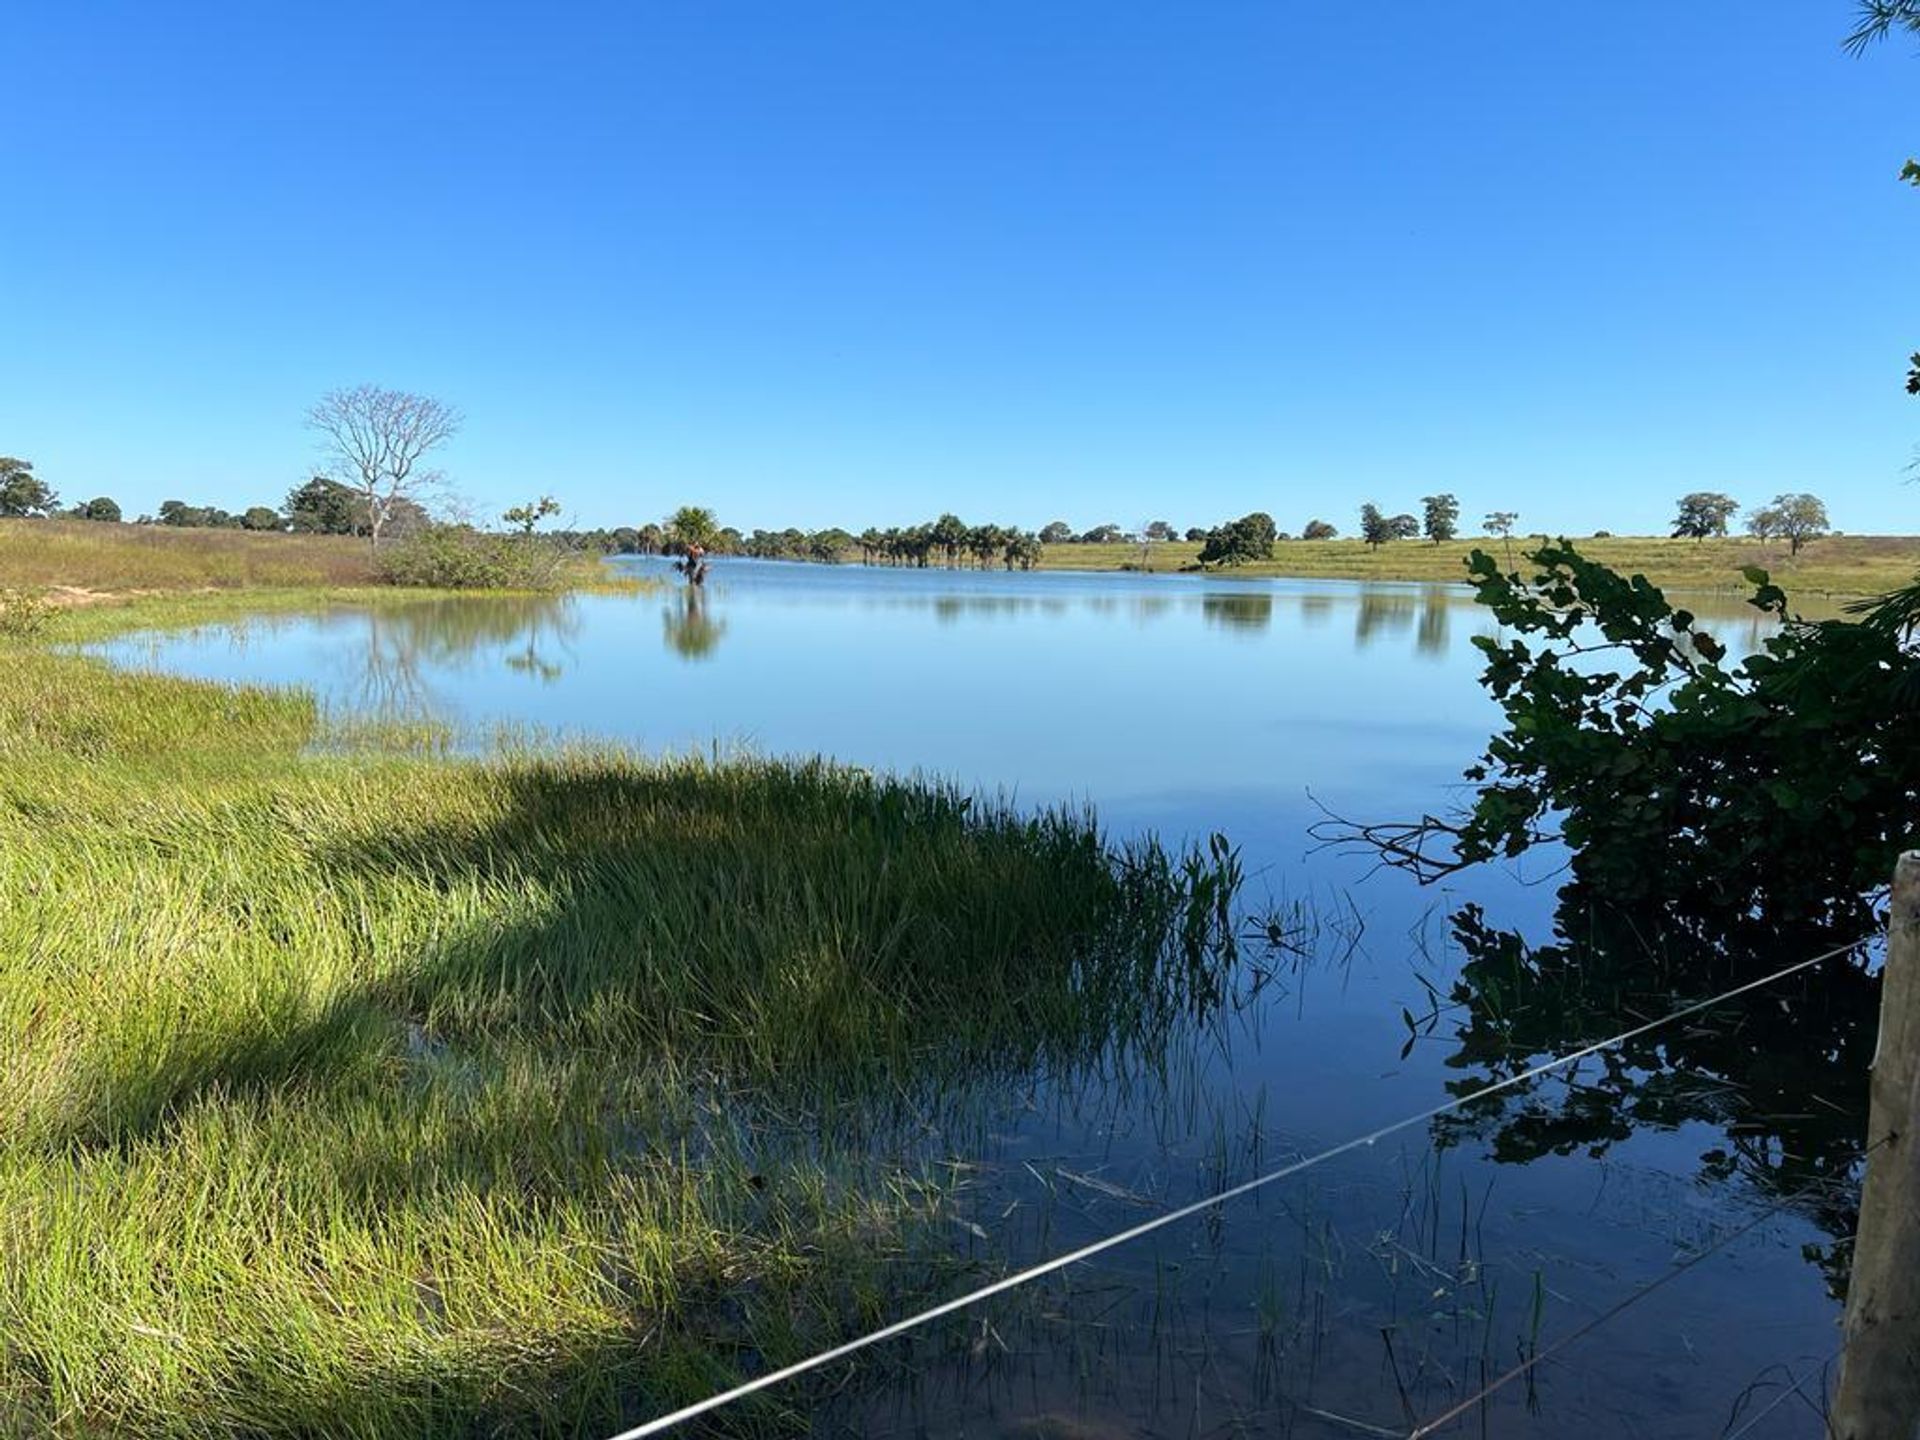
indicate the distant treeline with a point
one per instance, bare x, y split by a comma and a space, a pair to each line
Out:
948, 541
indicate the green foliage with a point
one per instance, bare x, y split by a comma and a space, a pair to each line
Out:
1373, 526
22, 493
1500, 522
526, 518
23, 614
1250, 537
691, 525
103, 509
1442, 517
261, 518
1785, 785
1319, 530
1703, 513
1794, 518
326, 507
458, 557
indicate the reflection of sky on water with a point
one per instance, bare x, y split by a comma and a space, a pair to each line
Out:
1190, 705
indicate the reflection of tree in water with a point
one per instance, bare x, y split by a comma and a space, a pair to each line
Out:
691, 629
1781, 1071
1381, 610
406, 642
1431, 638
1249, 610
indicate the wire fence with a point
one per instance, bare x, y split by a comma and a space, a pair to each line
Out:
663, 1423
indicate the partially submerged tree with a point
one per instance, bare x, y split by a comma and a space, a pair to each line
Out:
23, 493
377, 442
691, 530
1794, 518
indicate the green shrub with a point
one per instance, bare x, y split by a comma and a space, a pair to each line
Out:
458, 557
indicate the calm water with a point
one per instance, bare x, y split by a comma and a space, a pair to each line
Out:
1361, 1298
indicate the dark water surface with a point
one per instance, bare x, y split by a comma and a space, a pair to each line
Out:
1362, 1297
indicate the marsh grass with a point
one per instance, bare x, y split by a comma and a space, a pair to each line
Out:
360, 1092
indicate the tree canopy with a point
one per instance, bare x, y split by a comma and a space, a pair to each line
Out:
22, 492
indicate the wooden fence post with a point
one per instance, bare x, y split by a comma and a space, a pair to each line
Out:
1879, 1392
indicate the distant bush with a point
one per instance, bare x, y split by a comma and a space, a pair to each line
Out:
23, 614
458, 557
1603, 534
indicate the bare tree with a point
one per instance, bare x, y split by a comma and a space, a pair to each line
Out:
376, 440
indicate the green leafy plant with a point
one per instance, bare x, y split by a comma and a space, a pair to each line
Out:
1782, 786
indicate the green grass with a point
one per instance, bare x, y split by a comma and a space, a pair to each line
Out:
81, 558
357, 1093
1842, 565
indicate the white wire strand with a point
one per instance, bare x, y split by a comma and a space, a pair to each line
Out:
661, 1424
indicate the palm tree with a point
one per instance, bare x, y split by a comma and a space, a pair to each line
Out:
692, 528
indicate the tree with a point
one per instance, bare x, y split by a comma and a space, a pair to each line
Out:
1158, 530
23, 493
528, 516
1402, 527
1056, 532
1501, 523
948, 534
1108, 534
1374, 528
1703, 513
1195, 534
1794, 518
1318, 530
101, 508
377, 440
325, 507
691, 530
1775, 790
691, 525
259, 517
1238, 541
1441, 516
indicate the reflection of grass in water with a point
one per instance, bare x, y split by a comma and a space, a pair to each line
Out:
365, 1093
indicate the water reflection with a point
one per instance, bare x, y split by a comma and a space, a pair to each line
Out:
1779, 1074
692, 630
1238, 610
411, 648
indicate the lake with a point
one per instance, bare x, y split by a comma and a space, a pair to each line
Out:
1368, 1294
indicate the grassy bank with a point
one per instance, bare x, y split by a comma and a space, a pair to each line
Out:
1843, 565
86, 557
366, 1094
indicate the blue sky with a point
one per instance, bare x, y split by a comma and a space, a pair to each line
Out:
837, 263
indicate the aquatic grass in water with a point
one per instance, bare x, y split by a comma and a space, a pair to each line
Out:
360, 1092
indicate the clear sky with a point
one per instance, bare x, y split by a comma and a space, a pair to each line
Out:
859, 263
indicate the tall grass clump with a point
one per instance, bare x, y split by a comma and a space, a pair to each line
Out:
365, 1094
